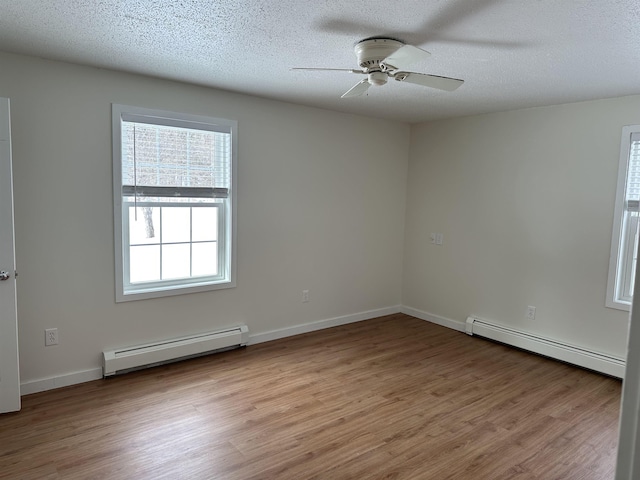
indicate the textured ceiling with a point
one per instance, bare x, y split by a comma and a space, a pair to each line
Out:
511, 53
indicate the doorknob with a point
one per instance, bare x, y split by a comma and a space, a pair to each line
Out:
4, 275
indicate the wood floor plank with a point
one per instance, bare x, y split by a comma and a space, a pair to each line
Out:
389, 398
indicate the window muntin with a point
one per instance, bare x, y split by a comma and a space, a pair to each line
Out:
184, 245
173, 197
624, 243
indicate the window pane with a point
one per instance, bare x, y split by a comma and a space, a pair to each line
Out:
174, 156
176, 224
205, 259
633, 172
176, 179
175, 261
144, 263
205, 224
144, 223
629, 252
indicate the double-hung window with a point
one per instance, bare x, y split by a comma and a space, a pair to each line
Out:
624, 243
174, 195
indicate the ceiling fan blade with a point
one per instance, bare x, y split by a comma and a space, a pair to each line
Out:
346, 27
405, 56
433, 81
351, 70
479, 42
433, 29
358, 89
453, 13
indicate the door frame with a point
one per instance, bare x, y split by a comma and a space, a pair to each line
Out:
9, 363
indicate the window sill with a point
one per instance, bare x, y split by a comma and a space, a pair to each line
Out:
143, 294
618, 305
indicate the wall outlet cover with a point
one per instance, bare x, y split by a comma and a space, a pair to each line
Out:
50, 337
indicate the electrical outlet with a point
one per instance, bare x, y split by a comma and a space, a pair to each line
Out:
305, 296
531, 312
50, 337
436, 238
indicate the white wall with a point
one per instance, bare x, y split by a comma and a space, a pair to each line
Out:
524, 199
525, 202
321, 201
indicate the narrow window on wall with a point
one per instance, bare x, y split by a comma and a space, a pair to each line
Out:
624, 243
174, 196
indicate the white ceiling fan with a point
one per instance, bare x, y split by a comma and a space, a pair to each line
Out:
381, 58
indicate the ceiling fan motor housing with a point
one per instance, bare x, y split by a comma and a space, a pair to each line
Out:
372, 51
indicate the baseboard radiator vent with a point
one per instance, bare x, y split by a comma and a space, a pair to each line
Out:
550, 348
142, 356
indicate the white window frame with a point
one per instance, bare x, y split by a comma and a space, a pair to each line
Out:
622, 263
227, 224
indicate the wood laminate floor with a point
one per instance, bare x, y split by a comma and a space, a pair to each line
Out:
389, 398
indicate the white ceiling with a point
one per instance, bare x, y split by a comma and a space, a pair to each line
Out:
511, 53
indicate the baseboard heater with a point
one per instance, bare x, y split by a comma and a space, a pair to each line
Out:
141, 356
550, 348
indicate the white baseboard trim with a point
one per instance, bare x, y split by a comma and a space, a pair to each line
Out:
430, 317
43, 384
321, 324
578, 356
35, 386
548, 347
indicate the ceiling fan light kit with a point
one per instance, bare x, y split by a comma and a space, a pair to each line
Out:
381, 58
377, 78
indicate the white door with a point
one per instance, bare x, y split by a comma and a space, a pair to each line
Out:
628, 466
9, 373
